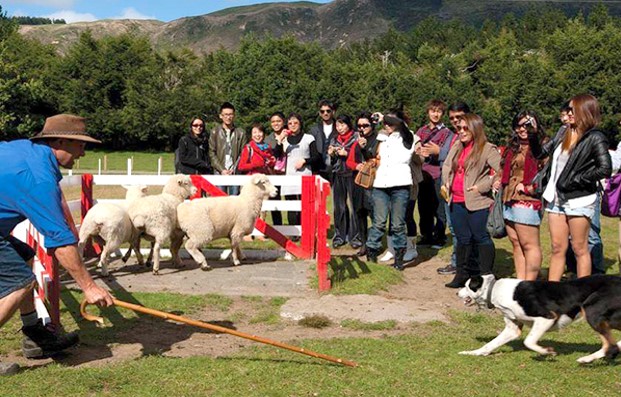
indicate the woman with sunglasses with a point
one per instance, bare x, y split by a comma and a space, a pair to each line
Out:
362, 200
192, 154
578, 159
522, 205
391, 187
468, 182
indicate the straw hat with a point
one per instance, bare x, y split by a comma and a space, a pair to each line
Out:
66, 126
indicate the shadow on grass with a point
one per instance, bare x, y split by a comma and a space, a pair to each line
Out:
347, 267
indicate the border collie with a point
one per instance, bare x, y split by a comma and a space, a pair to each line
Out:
547, 305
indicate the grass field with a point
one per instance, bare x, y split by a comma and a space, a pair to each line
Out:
422, 361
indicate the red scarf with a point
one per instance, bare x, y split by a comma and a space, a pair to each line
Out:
343, 139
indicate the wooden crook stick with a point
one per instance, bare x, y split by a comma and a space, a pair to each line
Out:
217, 328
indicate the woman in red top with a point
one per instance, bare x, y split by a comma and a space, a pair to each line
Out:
522, 206
256, 157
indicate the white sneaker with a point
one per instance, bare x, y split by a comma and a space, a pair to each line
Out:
225, 254
388, 256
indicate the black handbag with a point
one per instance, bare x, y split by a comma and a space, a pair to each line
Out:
495, 220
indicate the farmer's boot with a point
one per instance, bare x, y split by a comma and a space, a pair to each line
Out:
7, 369
399, 253
487, 255
40, 341
461, 276
372, 254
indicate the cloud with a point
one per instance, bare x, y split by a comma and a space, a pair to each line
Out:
72, 16
63, 4
132, 13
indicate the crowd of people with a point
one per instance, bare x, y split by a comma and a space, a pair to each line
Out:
451, 173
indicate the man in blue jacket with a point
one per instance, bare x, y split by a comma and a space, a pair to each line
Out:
29, 177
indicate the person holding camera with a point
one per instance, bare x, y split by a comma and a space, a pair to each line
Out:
578, 160
391, 187
365, 145
522, 207
467, 183
345, 224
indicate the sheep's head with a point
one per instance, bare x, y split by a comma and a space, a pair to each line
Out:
263, 183
135, 191
180, 186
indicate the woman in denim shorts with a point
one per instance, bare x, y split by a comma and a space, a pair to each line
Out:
522, 206
579, 159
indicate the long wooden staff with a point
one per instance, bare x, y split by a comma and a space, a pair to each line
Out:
217, 328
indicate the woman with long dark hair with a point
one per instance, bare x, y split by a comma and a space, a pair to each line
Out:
468, 181
522, 208
192, 155
578, 160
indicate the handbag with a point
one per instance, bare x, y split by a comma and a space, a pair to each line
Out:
611, 197
496, 220
366, 175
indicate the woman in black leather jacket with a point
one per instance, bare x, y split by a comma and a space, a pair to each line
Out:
578, 160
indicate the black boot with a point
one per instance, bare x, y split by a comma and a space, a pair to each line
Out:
399, 252
372, 255
41, 341
462, 253
487, 255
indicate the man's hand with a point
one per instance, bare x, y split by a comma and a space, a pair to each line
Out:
430, 149
362, 141
300, 164
95, 295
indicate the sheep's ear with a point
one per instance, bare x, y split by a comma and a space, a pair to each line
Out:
143, 188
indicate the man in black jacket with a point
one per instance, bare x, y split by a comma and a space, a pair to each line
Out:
322, 131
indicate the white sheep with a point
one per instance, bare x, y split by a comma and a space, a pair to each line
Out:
110, 222
206, 219
155, 217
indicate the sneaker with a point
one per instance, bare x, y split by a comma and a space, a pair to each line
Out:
41, 341
7, 369
438, 245
447, 270
387, 257
411, 253
337, 244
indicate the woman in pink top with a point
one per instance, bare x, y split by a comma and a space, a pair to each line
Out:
469, 174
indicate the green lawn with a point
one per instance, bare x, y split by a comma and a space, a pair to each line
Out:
143, 162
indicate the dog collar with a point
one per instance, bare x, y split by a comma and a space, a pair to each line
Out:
488, 298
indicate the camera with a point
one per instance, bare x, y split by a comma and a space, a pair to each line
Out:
375, 117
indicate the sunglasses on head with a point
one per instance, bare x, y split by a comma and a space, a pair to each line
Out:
324, 111
364, 125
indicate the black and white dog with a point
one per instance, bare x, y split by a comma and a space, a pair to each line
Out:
546, 305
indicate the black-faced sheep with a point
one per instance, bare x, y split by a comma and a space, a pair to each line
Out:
155, 217
210, 218
110, 222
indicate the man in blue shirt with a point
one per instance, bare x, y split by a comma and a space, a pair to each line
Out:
29, 178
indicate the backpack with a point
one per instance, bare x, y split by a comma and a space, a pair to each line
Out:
611, 197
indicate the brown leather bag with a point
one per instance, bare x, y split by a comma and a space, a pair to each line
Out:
366, 175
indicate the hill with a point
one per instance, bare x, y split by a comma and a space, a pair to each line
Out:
332, 25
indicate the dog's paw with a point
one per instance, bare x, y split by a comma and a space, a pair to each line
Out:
550, 352
474, 353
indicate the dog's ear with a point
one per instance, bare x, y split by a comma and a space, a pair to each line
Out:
476, 282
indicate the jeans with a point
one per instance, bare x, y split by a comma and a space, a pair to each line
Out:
471, 230
389, 201
15, 273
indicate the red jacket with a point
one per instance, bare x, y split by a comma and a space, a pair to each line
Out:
253, 160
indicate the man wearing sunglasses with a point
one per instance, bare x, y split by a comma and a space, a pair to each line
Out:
322, 132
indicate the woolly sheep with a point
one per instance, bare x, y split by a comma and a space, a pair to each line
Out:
110, 222
155, 217
206, 219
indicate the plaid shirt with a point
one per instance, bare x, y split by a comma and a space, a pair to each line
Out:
441, 136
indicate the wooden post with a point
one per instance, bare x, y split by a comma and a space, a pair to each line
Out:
99, 166
129, 166
159, 166
105, 162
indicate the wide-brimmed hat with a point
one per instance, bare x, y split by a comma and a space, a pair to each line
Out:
65, 126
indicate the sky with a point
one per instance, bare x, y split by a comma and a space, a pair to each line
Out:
91, 10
